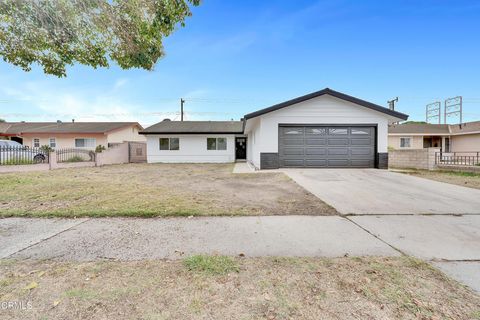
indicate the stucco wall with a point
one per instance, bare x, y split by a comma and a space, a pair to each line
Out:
321, 110
125, 134
193, 149
65, 140
416, 142
466, 143
114, 155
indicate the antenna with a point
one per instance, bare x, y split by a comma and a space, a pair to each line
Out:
433, 111
391, 103
181, 108
453, 107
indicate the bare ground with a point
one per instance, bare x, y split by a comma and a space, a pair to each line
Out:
266, 288
145, 190
466, 179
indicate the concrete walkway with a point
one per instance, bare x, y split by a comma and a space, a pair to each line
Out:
372, 191
134, 239
451, 243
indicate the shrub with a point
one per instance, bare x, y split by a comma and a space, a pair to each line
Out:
46, 149
75, 159
100, 148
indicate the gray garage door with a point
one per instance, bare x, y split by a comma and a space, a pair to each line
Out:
327, 146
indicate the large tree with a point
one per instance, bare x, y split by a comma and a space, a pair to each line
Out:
57, 33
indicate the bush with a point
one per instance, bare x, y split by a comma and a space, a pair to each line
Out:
75, 159
100, 148
46, 149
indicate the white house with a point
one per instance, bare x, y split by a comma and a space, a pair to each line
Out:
322, 129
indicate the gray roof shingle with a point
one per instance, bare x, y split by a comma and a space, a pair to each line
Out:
419, 128
195, 127
62, 127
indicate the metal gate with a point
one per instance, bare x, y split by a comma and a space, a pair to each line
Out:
326, 146
137, 152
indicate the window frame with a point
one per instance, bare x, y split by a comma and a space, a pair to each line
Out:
33, 143
169, 139
85, 144
409, 143
54, 142
217, 144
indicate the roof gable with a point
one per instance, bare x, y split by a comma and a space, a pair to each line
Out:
332, 93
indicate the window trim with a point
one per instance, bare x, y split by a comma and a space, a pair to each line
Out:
33, 142
54, 142
409, 144
169, 144
216, 144
85, 147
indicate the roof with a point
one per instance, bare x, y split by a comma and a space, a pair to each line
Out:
18, 128
465, 128
195, 127
429, 128
413, 128
333, 93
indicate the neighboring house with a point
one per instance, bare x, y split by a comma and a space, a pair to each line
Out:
450, 138
322, 129
86, 135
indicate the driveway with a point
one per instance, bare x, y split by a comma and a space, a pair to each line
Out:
371, 191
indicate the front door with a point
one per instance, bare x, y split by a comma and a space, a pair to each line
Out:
241, 148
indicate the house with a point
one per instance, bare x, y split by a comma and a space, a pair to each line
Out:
463, 137
322, 129
59, 134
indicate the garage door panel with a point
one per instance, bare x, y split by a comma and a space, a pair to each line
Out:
293, 142
360, 151
315, 142
294, 151
338, 163
360, 142
338, 151
338, 142
315, 151
316, 163
327, 146
293, 163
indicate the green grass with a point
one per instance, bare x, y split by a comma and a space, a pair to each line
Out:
213, 265
81, 294
463, 174
14, 162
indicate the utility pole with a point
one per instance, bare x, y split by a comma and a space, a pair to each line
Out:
433, 111
181, 108
453, 107
391, 103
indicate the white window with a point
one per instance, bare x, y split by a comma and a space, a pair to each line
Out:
216, 143
36, 143
85, 143
169, 144
405, 142
52, 143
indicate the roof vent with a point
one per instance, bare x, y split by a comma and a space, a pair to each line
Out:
166, 119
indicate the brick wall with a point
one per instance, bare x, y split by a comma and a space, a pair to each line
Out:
412, 159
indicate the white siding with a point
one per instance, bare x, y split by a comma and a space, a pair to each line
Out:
193, 149
321, 110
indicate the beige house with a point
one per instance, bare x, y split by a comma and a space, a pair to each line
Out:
86, 135
463, 137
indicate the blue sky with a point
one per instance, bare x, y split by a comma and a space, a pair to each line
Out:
234, 57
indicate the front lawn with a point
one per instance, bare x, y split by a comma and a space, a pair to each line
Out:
146, 190
466, 179
234, 288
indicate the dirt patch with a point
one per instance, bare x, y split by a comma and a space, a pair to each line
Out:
267, 288
154, 190
466, 179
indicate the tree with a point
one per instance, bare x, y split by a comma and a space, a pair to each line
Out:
57, 33
2, 120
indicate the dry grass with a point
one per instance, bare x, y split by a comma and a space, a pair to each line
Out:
266, 288
465, 179
146, 190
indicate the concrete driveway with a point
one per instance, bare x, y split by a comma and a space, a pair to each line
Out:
371, 191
